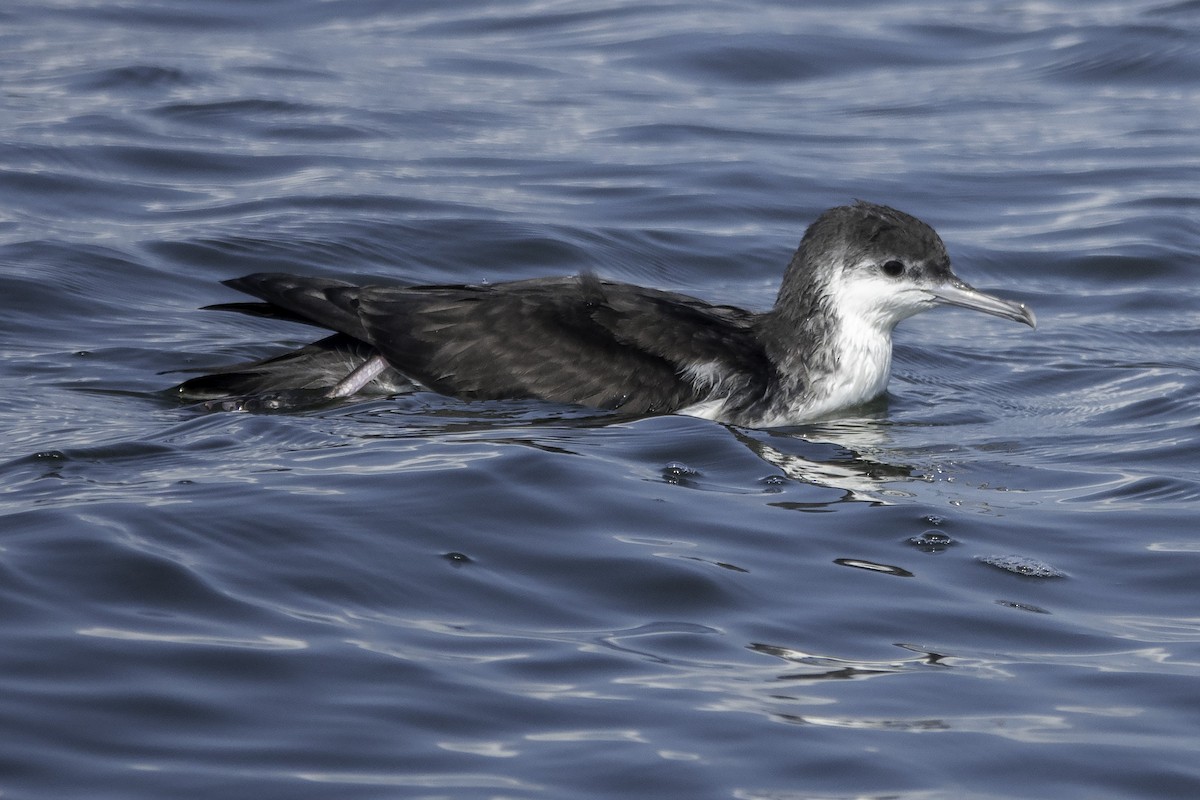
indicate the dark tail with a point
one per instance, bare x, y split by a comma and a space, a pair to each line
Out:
306, 372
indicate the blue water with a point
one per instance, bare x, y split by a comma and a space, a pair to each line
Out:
983, 586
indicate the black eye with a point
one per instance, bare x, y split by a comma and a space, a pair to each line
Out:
893, 268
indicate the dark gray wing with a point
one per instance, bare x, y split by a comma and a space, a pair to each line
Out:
570, 340
694, 336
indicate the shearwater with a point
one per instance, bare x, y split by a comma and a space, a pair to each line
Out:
825, 346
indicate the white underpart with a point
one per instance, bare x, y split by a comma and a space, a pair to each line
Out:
706, 376
706, 409
867, 307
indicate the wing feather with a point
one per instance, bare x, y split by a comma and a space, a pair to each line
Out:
570, 340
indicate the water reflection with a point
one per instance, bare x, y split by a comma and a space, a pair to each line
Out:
829, 463
818, 667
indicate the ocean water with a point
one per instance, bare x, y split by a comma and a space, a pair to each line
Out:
982, 586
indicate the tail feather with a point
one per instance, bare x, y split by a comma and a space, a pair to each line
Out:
314, 367
264, 310
323, 302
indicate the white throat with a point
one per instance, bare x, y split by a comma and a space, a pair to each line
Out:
865, 312
863, 364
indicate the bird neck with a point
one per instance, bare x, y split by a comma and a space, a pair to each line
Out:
827, 356
861, 363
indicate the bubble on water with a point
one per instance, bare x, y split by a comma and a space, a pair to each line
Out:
1023, 565
679, 473
772, 484
931, 541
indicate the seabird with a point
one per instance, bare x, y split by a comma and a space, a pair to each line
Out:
825, 346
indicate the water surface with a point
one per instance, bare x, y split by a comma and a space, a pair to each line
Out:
982, 586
